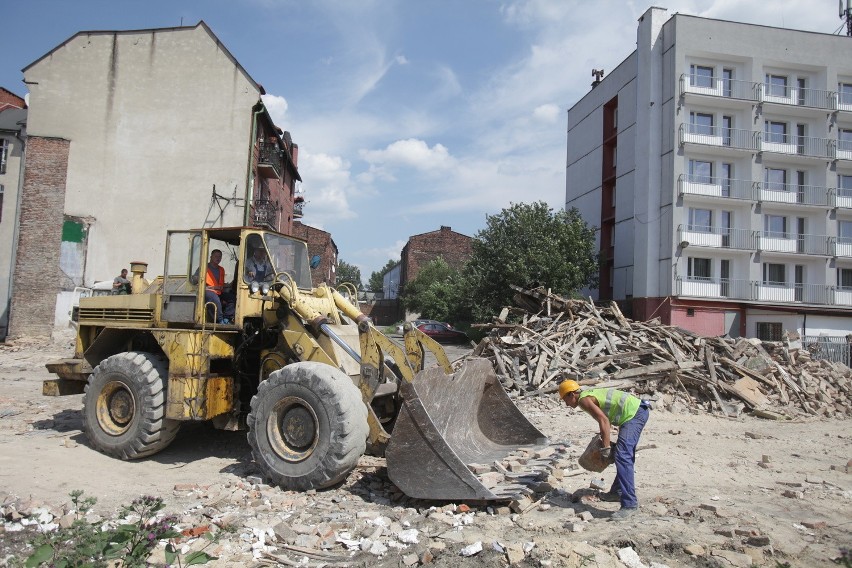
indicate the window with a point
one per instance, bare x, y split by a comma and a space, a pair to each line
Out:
701, 76
775, 226
4, 154
700, 171
844, 278
844, 232
700, 123
727, 126
774, 274
776, 85
769, 331
844, 185
844, 139
801, 85
699, 268
776, 179
700, 220
844, 93
727, 175
775, 131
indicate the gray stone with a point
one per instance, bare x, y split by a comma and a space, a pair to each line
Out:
694, 550
735, 558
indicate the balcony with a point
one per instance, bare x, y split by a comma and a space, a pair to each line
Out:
772, 192
298, 208
795, 293
844, 150
717, 87
796, 96
703, 135
843, 247
264, 213
842, 296
269, 162
797, 145
714, 237
716, 187
843, 198
714, 288
772, 241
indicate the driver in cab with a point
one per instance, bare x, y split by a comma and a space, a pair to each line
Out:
258, 268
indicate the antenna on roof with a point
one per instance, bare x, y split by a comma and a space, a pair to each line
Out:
598, 74
846, 14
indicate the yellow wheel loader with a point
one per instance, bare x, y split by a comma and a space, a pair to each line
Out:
300, 367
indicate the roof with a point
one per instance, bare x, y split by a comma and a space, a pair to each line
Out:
200, 24
13, 119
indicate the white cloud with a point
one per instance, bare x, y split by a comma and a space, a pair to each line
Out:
327, 186
277, 107
413, 153
546, 113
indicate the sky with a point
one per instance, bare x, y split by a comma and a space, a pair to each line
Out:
409, 114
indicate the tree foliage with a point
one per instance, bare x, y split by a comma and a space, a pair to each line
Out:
528, 244
435, 292
376, 282
348, 273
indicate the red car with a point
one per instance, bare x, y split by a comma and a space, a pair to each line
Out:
442, 332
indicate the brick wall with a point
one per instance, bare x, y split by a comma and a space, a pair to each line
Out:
36, 276
455, 248
321, 243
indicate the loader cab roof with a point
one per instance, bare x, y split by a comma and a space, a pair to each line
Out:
232, 234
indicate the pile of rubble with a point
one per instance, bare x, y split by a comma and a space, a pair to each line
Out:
555, 337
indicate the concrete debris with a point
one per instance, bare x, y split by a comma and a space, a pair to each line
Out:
553, 338
471, 549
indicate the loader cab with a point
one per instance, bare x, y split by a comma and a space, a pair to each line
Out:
242, 250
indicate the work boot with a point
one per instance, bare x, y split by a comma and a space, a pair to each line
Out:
623, 513
610, 497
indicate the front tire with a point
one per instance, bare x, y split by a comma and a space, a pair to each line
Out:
307, 426
124, 406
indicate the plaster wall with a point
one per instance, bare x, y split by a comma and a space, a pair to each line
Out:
156, 119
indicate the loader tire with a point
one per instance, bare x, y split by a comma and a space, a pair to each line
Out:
124, 406
307, 426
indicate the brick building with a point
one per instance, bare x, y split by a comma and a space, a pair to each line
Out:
13, 121
320, 244
132, 133
455, 248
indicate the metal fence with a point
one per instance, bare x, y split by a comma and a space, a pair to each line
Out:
832, 348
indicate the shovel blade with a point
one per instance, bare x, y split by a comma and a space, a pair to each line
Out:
450, 422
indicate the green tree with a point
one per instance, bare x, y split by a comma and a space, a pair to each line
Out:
376, 282
348, 273
435, 292
528, 244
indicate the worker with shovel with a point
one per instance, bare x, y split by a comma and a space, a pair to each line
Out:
613, 407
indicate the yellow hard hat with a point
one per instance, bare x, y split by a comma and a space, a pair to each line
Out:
568, 386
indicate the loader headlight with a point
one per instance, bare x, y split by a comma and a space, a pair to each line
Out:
255, 287
265, 288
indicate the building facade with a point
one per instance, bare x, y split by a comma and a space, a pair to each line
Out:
132, 133
13, 135
716, 160
320, 244
455, 248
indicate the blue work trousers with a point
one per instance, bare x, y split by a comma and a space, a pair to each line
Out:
625, 457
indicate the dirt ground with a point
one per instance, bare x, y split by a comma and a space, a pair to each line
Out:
777, 493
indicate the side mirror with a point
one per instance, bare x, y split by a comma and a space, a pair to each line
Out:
315, 261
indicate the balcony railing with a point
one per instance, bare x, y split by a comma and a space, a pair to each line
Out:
763, 92
797, 145
716, 187
788, 293
269, 162
718, 87
843, 247
774, 292
715, 237
797, 96
842, 197
717, 136
772, 241
844, 150
265, 213
793, 193
714, 288
298, 209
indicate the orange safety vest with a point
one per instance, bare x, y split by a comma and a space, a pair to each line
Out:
212, 280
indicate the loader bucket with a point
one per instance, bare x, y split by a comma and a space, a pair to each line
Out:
456, 434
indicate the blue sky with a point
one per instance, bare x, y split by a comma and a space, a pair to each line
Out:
410, 114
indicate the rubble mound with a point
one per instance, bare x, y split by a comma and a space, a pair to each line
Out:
549, 338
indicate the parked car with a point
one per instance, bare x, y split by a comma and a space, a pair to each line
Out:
441, 332
419, 322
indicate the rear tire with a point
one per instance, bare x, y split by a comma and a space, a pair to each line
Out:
307, 426
124, 406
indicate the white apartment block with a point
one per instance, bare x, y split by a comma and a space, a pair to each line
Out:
717, 161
